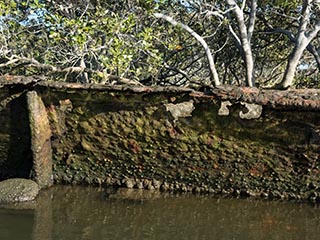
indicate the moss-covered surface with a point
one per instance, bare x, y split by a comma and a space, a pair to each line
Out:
40, 140
18, 190
126, 136
129, 139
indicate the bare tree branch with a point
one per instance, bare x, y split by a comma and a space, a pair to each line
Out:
252, 18
30, 62
245, 43
303, 39
213, 70
238, 42
306, 5
315, 31
311, 48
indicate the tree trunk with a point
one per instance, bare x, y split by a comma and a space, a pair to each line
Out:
245, 40
303, 39
292, 64
249, 63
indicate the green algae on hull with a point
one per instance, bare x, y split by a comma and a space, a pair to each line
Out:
199, 152
262, 143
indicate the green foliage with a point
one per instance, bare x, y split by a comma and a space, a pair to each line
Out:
123, 38
284, 4
7, 7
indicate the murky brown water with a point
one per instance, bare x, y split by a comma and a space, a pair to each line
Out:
85, 213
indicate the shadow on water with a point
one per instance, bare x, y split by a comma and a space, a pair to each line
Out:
65, 213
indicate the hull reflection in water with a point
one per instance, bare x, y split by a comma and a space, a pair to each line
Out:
73, 212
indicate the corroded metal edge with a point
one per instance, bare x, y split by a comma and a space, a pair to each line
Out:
294, 99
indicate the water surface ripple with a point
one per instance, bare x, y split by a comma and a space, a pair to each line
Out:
88, 213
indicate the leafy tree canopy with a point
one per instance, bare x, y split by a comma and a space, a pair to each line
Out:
121, 41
